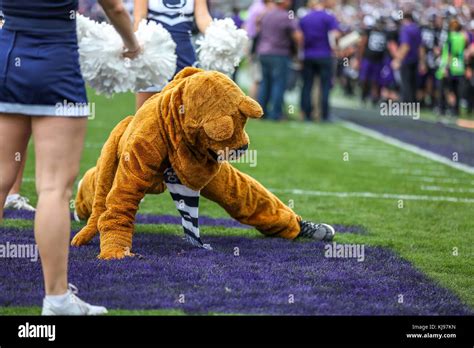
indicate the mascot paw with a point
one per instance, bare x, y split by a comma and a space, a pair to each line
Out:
115, 253
83, 237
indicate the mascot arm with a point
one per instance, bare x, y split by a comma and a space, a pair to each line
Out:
137, 171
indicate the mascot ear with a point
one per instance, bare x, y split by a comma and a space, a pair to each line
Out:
220, 129
250, 108
179, 78
188, 71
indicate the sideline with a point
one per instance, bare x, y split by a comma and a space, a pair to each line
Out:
408, 147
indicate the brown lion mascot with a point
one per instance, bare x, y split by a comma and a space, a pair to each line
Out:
176, 141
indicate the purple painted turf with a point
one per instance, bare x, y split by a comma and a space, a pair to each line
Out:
259, 281
144, 219
175, 220
434, 137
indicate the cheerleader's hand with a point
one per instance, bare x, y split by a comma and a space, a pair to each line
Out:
132, 53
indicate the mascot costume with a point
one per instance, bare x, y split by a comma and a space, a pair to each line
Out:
176, 141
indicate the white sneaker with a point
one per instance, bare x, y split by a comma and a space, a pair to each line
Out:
18, 202
72, 305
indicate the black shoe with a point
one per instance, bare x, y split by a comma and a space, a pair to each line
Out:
322, 232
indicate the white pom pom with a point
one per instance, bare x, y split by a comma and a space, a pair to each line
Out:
157, 64
222, 47
104, 68
100, 56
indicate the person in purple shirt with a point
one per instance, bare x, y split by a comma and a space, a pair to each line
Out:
238, 21
255, 12
317, 27
278, 31
407, 57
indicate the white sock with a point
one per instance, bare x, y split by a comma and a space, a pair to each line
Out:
12, 197
58, 300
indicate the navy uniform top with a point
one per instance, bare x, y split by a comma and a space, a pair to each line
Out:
39, 15
176, 16
376, 44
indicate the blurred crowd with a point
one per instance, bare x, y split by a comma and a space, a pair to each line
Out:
373, 50
380, 50
417, 53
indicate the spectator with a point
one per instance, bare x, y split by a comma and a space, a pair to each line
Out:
319, 27
452, 67
470, 73
372, 51
278, 32
255, 13
407, 57
429, 42
236, 17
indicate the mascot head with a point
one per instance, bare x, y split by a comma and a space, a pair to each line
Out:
215, 111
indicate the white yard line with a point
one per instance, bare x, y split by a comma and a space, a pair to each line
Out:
438, 180
94, 145
446, 189
418, 172
374, 195
24, 179
408, 147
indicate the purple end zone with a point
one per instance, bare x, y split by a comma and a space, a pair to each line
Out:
267, 273
176, 220
143, 219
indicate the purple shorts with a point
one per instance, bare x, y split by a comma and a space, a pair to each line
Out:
423, 78
387, 78
370, 71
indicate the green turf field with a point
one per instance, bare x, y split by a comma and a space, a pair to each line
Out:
313, 167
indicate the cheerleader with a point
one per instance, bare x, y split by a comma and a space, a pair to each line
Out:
176, 16
42, 93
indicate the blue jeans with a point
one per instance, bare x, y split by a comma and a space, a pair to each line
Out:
273, 85
311, 68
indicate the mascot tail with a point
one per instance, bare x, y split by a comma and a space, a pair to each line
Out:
90, 199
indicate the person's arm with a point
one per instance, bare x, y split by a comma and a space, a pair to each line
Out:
140, 12
403, 51
361, 46
422, 66
120, 19
392, 46
201, 15
298, 38
334, 33
469, 58
400, 55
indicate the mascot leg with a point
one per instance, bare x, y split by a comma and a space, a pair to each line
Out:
247, 201
187, 203
104, 178
85, 195
133, 179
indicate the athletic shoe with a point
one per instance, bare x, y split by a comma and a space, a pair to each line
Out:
18, 202
322, 232
71, 305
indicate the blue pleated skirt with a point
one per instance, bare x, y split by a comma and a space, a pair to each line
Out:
40, 74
